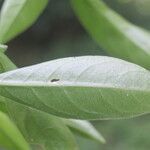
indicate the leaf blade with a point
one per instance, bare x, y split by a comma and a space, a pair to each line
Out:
115, 34
10, 137
42, 130
89, 87
85, 129
20, 17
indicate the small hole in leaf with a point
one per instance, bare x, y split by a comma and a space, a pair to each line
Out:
55, 80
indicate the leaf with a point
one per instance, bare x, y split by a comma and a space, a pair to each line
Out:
5, 63
115, 34
3, 48
3, 107
39, 129
84, 128
89, 87
10, 137
18, 15
42, 131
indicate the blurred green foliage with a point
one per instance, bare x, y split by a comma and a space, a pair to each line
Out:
132, 134
58, 33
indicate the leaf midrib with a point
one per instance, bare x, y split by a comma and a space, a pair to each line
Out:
71, 84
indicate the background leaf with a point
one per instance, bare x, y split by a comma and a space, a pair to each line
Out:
85, 129
18, 15
41, 130
116, 35
89, 87
5, 63
10, 137
3, 48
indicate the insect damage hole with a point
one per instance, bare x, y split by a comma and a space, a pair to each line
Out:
55, 80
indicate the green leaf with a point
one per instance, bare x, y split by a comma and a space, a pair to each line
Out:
18, 15
10, 137
89, 87
5, 63
84, 128
115, 34
3, 48
42, 131
3, 107
39, 129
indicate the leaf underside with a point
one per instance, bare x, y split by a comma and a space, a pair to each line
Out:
89, 87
